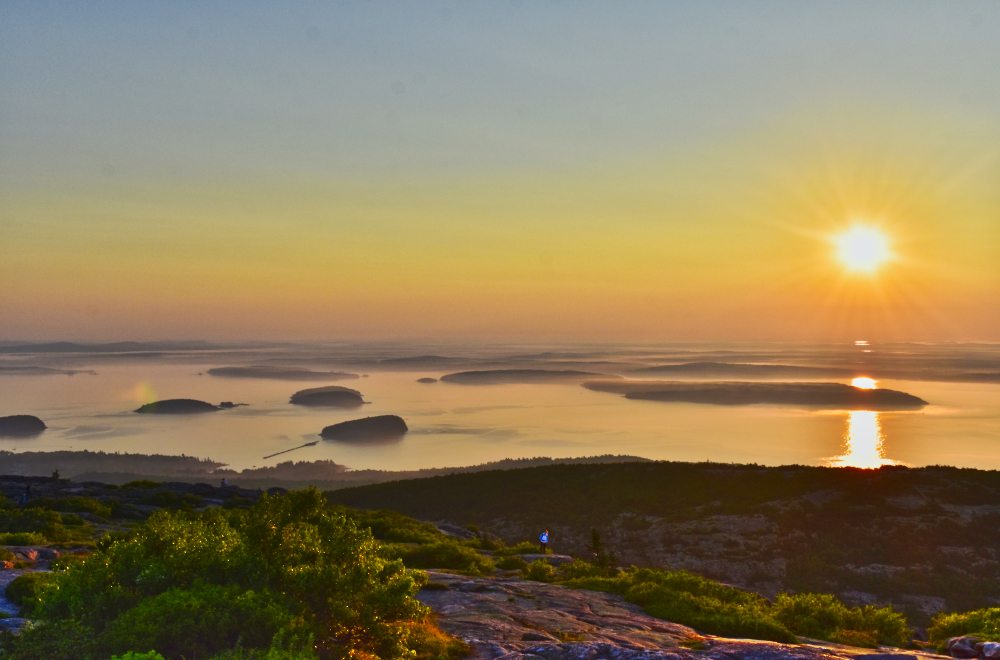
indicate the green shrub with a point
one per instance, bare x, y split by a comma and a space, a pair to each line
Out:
26, 590
863, 638
286, 578
511, 562
540, 571
393, 527
133, 655
200, 621
63, 562
984, 623
811, 615
21, 538
686, 598
166, 499
823, 616
73, 503
708, 610
55, 640
445, 554
578, 568
521, 548
142, 484
889, 626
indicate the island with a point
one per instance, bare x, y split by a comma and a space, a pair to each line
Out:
743, 369
20, 426
821, 395
519, 376
30, 370
427, 380
177, 407
278, 373
380, 427
331, 395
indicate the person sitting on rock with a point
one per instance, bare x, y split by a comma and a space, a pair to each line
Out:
543, 540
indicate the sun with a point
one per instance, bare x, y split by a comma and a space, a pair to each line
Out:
864, 383
862, 249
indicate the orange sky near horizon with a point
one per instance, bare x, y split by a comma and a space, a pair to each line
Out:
718, 230
579, 255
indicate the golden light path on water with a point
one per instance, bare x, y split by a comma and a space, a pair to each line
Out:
864, 442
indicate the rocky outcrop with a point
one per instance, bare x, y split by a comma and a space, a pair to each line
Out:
968, 646
378, 428
177, 407
427, 380
989, 650
20, 426
332, 396
511, 618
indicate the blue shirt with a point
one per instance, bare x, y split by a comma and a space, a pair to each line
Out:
544, 537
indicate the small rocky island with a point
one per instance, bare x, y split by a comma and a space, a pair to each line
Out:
331, 395
427, 380
20, 426
178, 407
380, 427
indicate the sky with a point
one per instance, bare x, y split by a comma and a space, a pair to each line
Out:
516, 171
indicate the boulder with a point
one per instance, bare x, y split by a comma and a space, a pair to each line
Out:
381, 427
332, 395
963, 647
25, 554
176, 407
21, 426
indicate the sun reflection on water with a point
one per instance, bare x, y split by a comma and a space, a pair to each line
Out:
864, 442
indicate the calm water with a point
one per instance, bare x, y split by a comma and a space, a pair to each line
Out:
455, 424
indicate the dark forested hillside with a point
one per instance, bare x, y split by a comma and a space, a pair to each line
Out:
924, 539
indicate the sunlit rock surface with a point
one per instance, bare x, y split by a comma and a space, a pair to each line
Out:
512, 618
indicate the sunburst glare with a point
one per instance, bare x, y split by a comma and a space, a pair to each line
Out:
862, 249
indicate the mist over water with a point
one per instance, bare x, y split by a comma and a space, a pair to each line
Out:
455, 424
